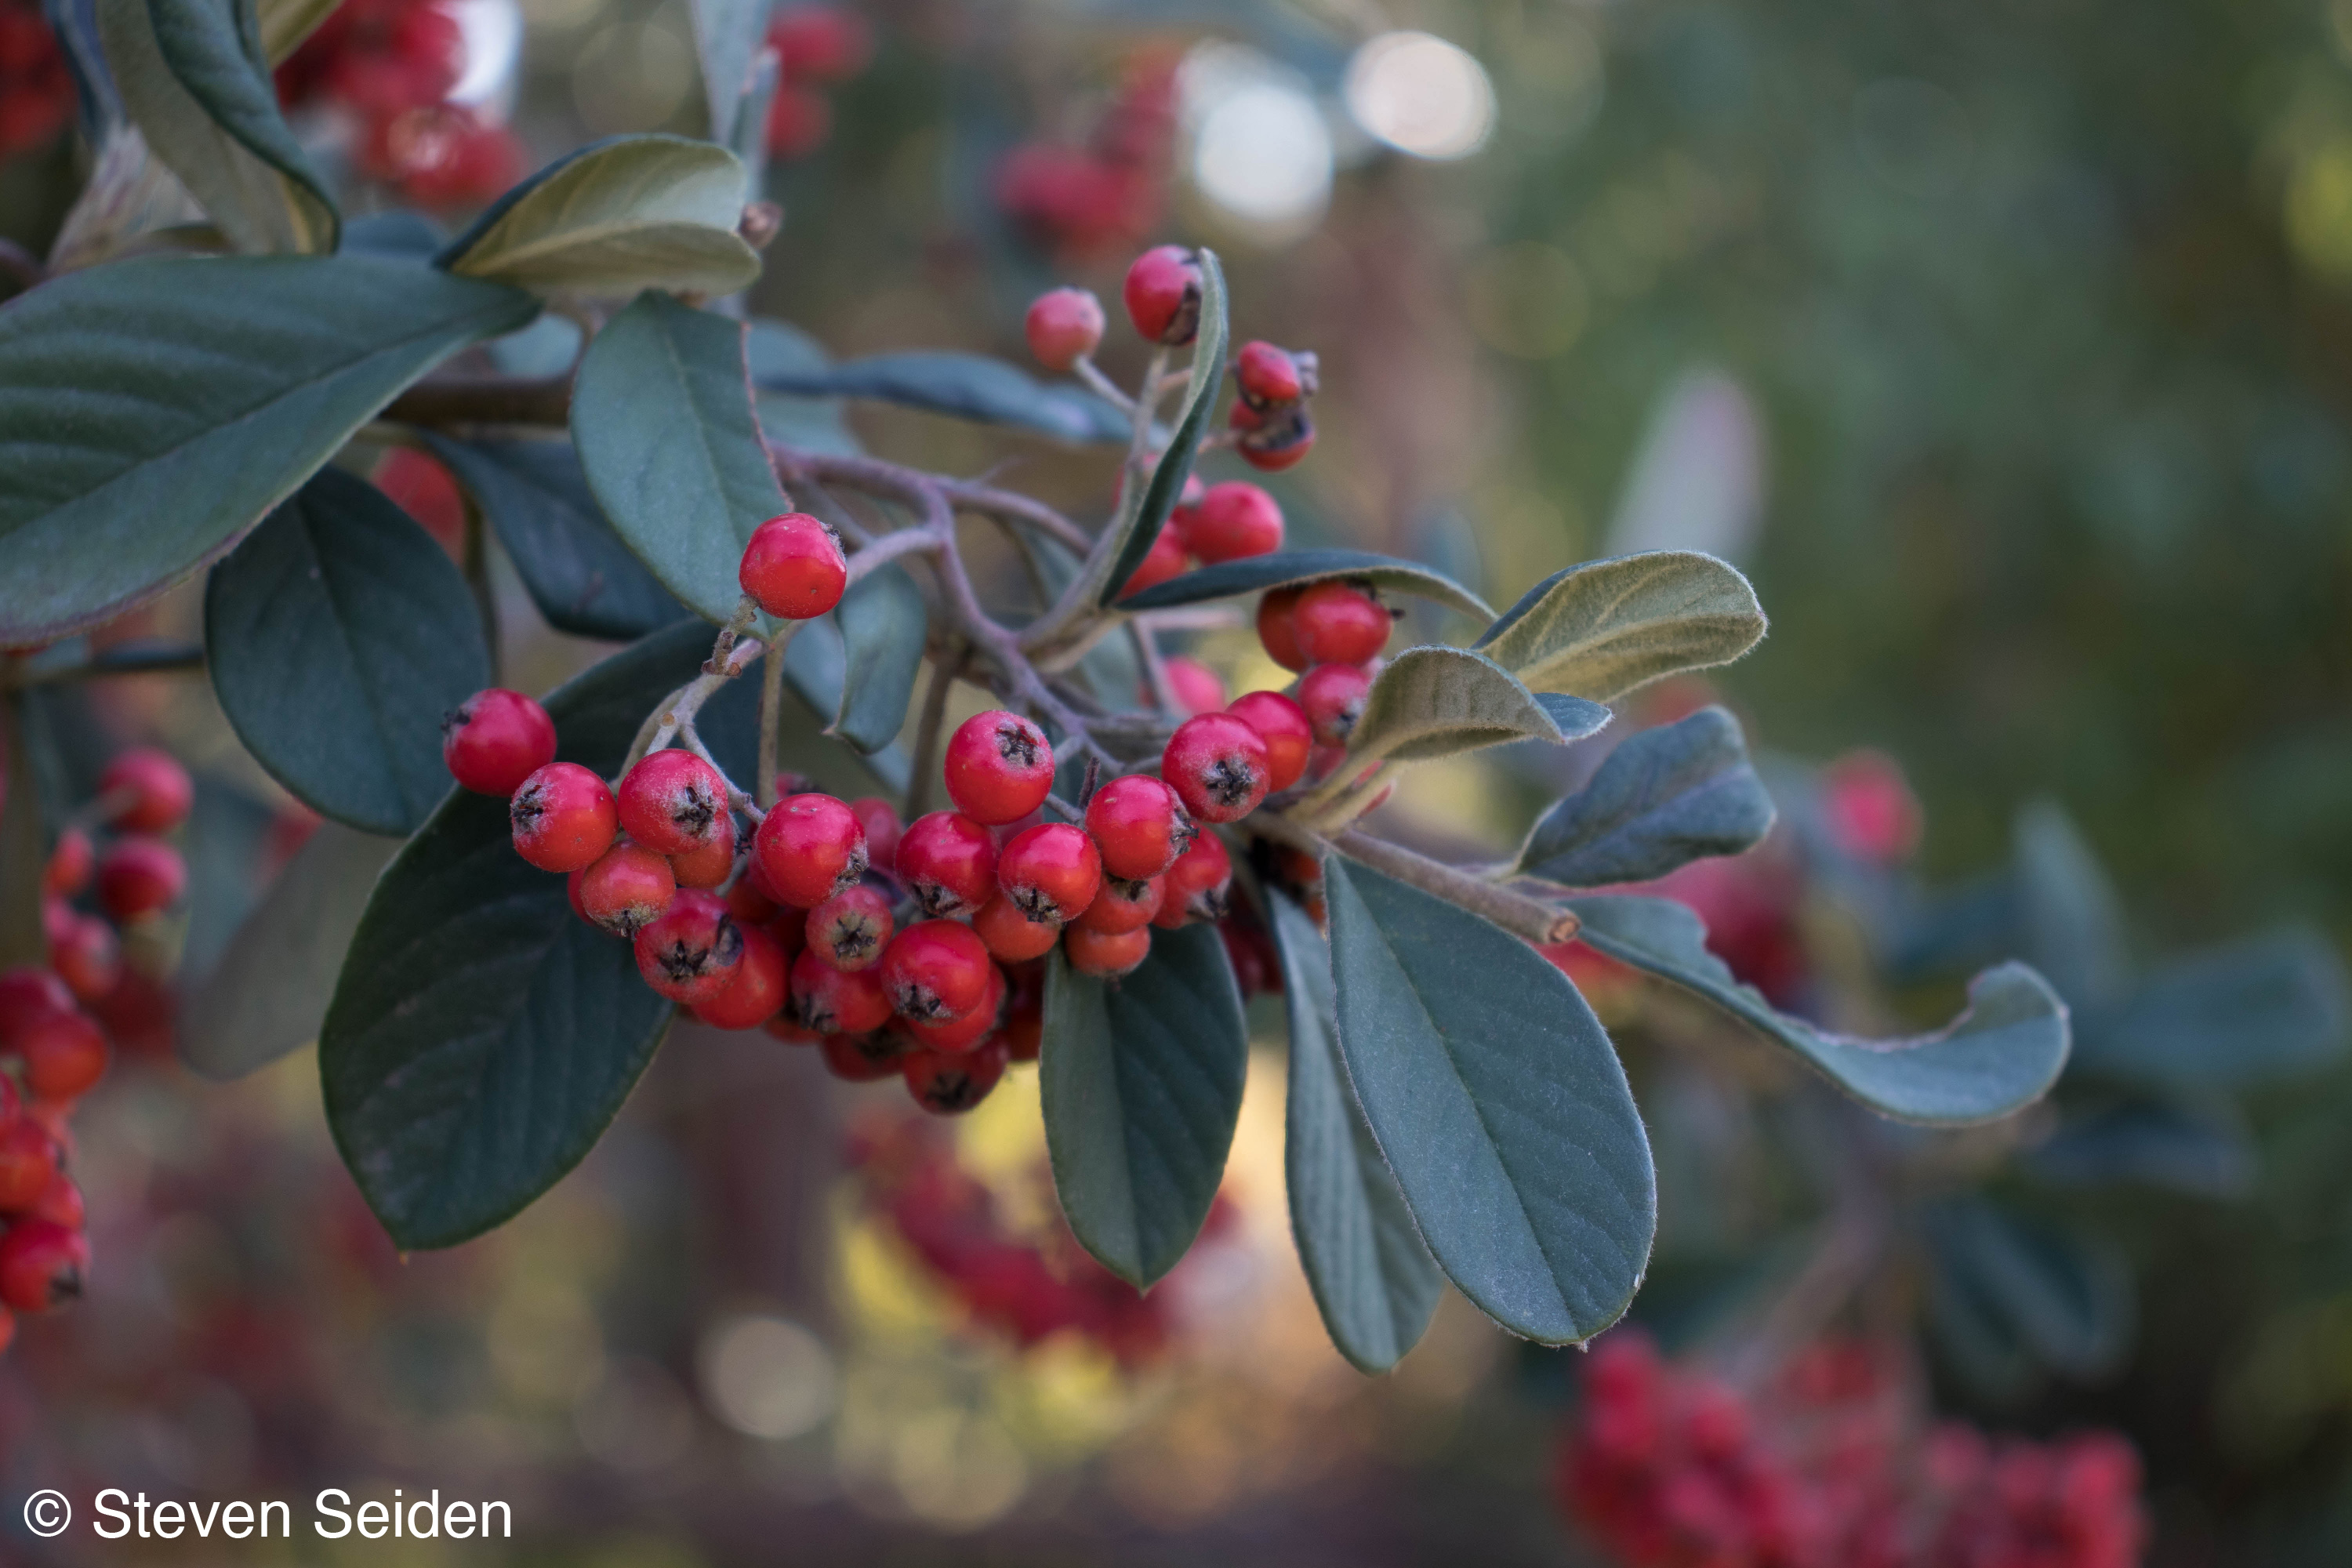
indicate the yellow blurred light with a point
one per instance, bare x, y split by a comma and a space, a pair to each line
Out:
1420, 95
2319, 209
956, 1470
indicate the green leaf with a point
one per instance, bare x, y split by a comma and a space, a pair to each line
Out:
662, 416
1601, 629
151, 411
1662, 798
727, 36
2201, 1150
2002, 1053
1144, 507
776, 352
579, 573
1436, 701
1294, 568
268, 992
1373, 1280
965, 386
1499, 1103
2261, 1010
2073, 920
337, 636
883, 623
286, 23
482, 1036
1142, 1085
2064, 1298
617, 216
195, 81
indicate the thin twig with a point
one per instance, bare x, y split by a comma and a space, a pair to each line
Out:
1013, 507
1103, 386
1525, 917
771, 702
1155, 669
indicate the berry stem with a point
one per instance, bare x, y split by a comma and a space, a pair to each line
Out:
771, 702
927, 732
1528, 918
1101, 386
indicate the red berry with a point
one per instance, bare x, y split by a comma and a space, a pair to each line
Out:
87, 957
794, 567
1164, 295
61, 1203
935, 970
798, 121
786, 1027
564, 817
139, 876
788, 927
1332, 696
1050, 872
1123, 905
495, 739
810, 848
1164, 560
838, 1001
863, 1057
757, 990
748, 899
963, 1034
999, 767
1282, 725
29, 1161
624, 889
1235, 521
691, 953
1198, 688
65, 1054
1011, 936
1275, 630
713, 863
671, 802
28, 994
145, 791
68, 871
949, 1084
883, 828
1217, 766
1064, 327
821, 43
41, 1265
1105, 954
1268, 374
1025, 1020
1196, 884
1273, 440
1138, 826
1338, 623
947, 863
850, 929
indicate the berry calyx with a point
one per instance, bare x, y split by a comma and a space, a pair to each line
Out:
850, 929
41, 1265
935, 971
794, 567
1274, 439
757, 991
1282, 725
145, 791
671, 802
1064, 326
1105, 954
1162, 294
140, 877
809, 848
1011, 936
1138, 826
65, 1055
999, 766
624, 889
1051, 872
1338, 623
1266, 375
958, 1035
711, 865
1217, 766
495, 739
835, 1002
1122, 905
564, 817
1275, 630
949, 1084
690, 953
1197, 884
1234, 522
1332, 697
862, 1057
947, 863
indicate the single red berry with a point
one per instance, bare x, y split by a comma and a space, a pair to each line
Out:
1332, 697
1138, 826
1266, 375
1196, 884
948, 1084
1064, 327
27, 992
947, 863
963, 1034
564, 817
690, 953
863, 1057
140, 877
1217, 766
1338, 623
41, 1265
1164, 295
883, 828
495, 739
65, 1054
713, 863
850, 929
1165, 559
1198, 688
838, 1001
1105, 954
999, 766
799, 121
1050, 872
87, 957
29, 1161
1256, 970
1012, 936
1282, 724
821, 43
1275, 439
1188, 503
757, 993
810, 848
1123, 905
1275, 630
61, 1203
1235, 521
68, 871
935, 970
671, 802
1025, 1020
794, 567
145, 791
624, 889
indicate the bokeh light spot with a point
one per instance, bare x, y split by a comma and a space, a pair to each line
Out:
1420, 95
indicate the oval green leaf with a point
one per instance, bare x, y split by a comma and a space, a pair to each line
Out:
2261, 1010
2002, 1053
1601, 629
1144, 507
123, 478
1142, 1085
883, 625
1664, 797
2065, 1299
1295, 568
964, 385
337, 636
1500, 1105
1437, 701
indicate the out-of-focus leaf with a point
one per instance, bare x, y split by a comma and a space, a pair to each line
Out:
1143, 509
1601, 629
286, 23
1696, 482
727, 40
2064, 1298
2072, 920
1951, 933
1662, 798
2268, 1008
966, 385
2202, 1152
1295, 568
883, 625
777, 352
1438, 702
399, 234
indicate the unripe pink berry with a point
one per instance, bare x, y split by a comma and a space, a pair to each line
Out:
1064, 326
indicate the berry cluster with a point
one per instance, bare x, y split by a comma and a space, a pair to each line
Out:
817, 45
1078, 202
385, 67
36, 92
